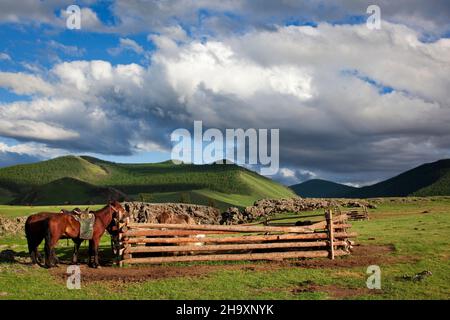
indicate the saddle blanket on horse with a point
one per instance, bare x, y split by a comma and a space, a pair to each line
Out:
86, 221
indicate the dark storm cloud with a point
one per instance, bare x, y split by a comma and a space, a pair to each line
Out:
212, 18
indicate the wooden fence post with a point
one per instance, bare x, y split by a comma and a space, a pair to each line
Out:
330, 227
231, 243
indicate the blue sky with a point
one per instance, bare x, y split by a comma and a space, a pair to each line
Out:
139, 69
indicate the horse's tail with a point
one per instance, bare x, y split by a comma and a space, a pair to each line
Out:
28, 234
27, 227
48, 236
32, 242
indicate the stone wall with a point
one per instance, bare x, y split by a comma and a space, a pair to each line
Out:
12, 226
269, 207
147, 212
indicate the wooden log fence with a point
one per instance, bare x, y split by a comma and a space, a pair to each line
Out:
357, 214
148, 243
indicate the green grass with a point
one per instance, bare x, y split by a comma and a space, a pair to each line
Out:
421, 242
69, 189
26, 176
438, 188
19, 211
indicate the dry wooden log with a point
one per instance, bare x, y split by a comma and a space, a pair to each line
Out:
161, 233
233, 228
237, 239
342, 226
235, 257
330, 227
295, 217
228, 247
323, 224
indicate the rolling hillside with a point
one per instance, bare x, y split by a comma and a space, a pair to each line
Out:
69, 189
317, 188
84, 180
431, 179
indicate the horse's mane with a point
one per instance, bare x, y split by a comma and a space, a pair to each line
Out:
101, 210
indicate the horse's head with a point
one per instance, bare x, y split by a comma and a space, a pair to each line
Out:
119, 215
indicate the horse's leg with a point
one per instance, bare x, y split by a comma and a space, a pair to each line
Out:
50, 256
32, 243
94, 251
32, 249
38, 255
91, 254
96, 245
76, 248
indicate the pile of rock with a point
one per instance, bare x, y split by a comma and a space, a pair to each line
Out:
351, 203
270, 207
148, 212
12, 226
233, 216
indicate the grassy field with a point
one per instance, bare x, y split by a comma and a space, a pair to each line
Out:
402, 238
18, 211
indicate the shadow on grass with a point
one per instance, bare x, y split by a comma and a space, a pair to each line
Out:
64, 255
11, 256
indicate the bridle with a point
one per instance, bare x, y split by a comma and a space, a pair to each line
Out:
115, 244
116, 219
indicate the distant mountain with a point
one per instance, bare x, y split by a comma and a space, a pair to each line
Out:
431, 179
83, 180
317, 188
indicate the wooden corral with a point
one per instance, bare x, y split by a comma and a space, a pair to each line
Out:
148, 243
356, 214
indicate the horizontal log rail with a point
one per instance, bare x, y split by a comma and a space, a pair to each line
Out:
148, 232
295, 217
155, 233
235, 257
261, 238
327, 238
228, 247
235, 228
283, 218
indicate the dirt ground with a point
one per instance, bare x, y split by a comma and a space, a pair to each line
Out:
333, 291
363, 255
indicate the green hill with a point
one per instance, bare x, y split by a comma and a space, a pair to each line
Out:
73, 191
317, 188
431, 179
85, 179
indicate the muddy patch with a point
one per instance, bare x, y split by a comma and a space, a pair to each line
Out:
363, 255
146, 273
333, 291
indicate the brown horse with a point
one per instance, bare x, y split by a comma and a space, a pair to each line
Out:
35, 229
173, 218
65, 225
